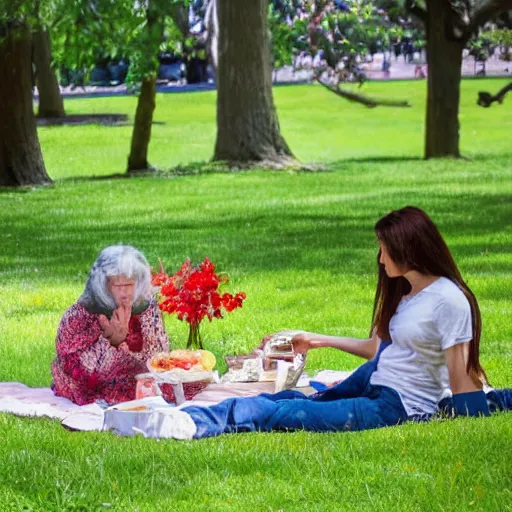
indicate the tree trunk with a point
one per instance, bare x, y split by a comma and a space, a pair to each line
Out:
212, 28
50, 99
138, 159
21, 160
444, 59
247, 125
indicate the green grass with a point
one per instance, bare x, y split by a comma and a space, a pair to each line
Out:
301, 245
319, 127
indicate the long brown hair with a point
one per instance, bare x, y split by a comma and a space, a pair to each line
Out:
414, 242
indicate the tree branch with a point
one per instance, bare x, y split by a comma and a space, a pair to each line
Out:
485, 99
458, 20
359, 98
416, 10
485, 13
179, 15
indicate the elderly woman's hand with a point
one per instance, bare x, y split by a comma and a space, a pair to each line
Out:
115, 330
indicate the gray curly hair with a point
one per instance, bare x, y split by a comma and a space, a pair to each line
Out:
116, 260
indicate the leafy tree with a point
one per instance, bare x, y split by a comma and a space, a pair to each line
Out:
450, 25
21, 159
481, 49
502, 39
283, 37
74, 35
501, 36
338, 37
143, 71
86, 31
344, 38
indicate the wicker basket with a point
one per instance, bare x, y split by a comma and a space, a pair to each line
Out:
190, 389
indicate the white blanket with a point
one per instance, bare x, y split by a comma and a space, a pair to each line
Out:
19, 399
16, 398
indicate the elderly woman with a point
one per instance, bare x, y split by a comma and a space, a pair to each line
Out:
105, 338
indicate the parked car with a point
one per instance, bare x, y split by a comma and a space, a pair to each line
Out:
171, 68
118, 71
109, 72
100, 75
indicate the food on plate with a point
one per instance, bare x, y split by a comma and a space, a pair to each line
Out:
134, 408
183, 359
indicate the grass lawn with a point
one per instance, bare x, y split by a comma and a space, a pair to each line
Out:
301, 245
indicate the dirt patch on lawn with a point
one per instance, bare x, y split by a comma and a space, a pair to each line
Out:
80, 119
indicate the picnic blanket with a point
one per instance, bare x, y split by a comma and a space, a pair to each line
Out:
21, 400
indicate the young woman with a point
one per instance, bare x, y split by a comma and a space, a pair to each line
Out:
431, 324
106, 337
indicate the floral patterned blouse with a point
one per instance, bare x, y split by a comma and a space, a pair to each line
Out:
88, 367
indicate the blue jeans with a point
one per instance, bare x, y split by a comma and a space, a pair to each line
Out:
354, 404
500, 400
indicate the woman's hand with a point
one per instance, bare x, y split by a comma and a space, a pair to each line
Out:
297, 339
116, 329
302, 342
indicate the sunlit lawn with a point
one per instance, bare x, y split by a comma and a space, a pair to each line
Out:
319, 127
301, 245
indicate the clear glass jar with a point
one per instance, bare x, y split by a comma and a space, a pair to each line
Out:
146, 386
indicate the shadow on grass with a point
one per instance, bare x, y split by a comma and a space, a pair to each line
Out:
192, 169
377, 160
81, 119
399, 159
111, 120
256, 239
220, 167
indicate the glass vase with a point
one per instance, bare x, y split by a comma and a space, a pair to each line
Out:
194, 342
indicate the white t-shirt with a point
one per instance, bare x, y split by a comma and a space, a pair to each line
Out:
435, 319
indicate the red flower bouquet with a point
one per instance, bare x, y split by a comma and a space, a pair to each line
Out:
192, 293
